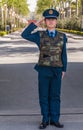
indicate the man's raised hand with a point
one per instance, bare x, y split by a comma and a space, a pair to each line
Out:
39, 22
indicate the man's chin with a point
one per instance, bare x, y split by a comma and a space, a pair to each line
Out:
51, 26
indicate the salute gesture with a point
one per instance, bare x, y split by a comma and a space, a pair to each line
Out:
39, 22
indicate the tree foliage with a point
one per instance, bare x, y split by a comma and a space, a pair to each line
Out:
43, 4
20, 6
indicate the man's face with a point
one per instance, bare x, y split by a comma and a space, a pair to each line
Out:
51, 22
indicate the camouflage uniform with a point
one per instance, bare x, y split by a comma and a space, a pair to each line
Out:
50, 50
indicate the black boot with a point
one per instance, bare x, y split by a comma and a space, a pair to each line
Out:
43, 125
57, 124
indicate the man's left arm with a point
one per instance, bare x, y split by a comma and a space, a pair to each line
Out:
64, 56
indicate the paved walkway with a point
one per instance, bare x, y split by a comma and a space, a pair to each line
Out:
19, 109
74, 36
71, 122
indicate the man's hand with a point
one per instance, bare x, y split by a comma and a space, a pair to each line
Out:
39, 22
63, 74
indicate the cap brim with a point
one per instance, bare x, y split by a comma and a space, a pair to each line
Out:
49, 17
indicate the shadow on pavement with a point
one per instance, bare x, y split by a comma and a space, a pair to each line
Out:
19, 90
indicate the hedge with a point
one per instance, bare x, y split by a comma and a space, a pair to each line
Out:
2, 33
72, 23
71, 31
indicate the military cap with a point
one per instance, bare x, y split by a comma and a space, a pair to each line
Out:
51, 13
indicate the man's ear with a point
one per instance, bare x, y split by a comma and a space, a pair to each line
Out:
56, 21
45, 19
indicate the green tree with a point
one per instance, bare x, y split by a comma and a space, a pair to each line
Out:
20, 6
43, 4
13, 13
73, 5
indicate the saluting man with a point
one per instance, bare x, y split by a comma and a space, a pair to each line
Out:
51, 66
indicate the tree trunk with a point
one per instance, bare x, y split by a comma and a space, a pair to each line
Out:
70, 9
82, 6
81, 15
77, 7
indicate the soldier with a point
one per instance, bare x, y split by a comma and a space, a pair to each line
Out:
51, 66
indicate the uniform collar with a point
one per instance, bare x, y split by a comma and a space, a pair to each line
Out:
51, 31
54, 32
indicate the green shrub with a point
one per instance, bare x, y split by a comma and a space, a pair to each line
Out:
71, 31
2, 33
69, 23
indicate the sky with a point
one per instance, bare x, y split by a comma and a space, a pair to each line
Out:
32, 4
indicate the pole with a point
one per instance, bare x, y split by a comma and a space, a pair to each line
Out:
5, 16
81, 15
0, 16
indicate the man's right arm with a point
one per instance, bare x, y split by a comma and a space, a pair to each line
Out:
28, 35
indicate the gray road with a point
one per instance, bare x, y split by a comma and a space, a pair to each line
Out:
18, 85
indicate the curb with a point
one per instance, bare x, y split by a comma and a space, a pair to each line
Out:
78, 38
74, 36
